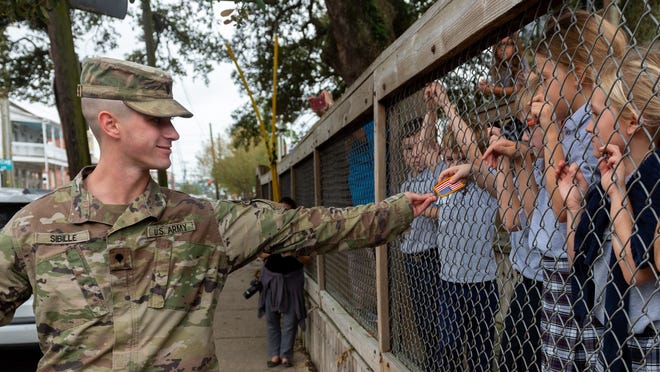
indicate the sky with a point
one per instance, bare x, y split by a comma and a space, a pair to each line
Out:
209, 104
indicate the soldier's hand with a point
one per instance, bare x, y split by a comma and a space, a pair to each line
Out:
419, 202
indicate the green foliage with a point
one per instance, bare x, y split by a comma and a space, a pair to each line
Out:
642, 18
184, 43
26, 66
298, 24
235, 167
377, 25
29, 11
191, 188
307, 51
27, 69
187, 35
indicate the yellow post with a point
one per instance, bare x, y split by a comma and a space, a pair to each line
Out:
271, 146
264, 135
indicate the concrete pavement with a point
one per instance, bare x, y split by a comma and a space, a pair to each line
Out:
240, 337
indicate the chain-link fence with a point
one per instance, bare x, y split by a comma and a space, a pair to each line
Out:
540, 252
303, 193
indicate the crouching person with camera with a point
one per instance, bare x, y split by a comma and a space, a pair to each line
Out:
282, 300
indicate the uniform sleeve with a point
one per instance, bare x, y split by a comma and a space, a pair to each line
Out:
14, 285
250, 228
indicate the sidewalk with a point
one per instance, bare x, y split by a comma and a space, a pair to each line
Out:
240, 337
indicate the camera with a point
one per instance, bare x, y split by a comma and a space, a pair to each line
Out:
255, 286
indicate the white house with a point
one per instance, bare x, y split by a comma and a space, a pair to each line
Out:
32, 148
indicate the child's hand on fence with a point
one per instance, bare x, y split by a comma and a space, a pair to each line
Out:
483, 86
542, 112
419, 202
612, 170
571, 185
456, 172
498, 148
494, 133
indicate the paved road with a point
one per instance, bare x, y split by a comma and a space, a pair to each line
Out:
240, 337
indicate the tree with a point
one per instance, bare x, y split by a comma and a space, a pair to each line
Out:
322, 45
52, 17
235, 165
192, 188
33, 61
642, 18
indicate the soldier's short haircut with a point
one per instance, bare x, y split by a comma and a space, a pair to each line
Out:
91, 108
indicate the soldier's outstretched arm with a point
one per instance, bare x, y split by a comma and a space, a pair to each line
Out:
249, 228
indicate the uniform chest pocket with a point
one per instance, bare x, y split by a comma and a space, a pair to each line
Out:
67, 293
184, 276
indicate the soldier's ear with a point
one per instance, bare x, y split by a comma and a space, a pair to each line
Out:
108, 124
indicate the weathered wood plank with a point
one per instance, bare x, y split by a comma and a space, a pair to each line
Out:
318, 196
352, 105
449, 27
380, 188
364, 343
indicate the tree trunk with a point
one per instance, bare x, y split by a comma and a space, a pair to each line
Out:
359, 32
150, 44
67, 77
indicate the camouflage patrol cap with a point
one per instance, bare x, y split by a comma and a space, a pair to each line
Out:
145, 89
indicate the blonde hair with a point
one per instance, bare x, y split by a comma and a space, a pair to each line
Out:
633, 85
581, 39
91, 108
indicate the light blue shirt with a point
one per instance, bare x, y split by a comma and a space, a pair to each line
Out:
524, 259
423, 233
466, 226
576, 142
547, 234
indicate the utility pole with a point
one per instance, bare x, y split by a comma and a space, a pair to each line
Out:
214, 166
6, 176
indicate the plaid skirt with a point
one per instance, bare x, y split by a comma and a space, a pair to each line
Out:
565, 346
644, 353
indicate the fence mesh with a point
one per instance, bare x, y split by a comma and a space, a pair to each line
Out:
304, 195
533, 263
346, 180
457, 294
285, 184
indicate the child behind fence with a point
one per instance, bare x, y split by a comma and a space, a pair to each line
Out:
509, 69
419, 245
613, 239
573, 45
466, 226
520, 172
508, 73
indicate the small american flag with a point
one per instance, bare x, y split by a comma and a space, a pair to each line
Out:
446, 187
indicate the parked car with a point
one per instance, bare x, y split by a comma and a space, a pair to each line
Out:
22, 330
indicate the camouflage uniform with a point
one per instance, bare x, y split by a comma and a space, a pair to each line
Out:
136, 287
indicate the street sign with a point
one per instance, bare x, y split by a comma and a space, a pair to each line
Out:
6, 164
114, 8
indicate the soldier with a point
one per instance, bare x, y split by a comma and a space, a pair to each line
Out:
126, 274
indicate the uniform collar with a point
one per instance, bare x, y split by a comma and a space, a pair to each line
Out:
85, 208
